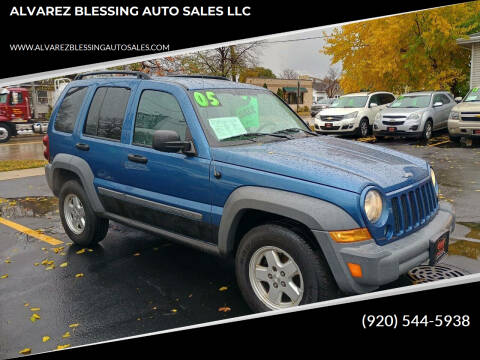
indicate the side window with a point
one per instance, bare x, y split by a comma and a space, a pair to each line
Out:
445, 99
16, 98
107, 112
68, 111
387, 98
374, 99
438, 98
157, 110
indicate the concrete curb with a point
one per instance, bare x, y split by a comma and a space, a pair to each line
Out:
18, 174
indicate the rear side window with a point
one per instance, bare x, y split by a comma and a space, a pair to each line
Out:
107, 112
68, 111
157, 111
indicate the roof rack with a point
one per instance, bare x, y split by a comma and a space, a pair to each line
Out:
200, 76
138, 74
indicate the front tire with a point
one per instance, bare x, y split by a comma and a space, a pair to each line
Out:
276, 269
363, 128
81, 224
5, 132
427, 130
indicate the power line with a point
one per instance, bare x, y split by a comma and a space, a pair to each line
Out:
292, 40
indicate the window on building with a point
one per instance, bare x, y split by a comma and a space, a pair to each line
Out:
42, 96
68, 111
107, 112
291, 98
157, 110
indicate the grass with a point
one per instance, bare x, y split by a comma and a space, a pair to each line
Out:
9, 165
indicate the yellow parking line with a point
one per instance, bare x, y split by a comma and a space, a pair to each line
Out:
42, 237
440, 143
22, 143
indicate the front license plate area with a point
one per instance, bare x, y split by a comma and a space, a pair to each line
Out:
476, 132
328, 125
439, 248
392, 129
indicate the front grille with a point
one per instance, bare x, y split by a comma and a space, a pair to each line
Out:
470, 116
330, 127
413, 207
331, 117
393, 122
394, 116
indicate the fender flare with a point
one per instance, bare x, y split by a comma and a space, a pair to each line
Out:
79, 167
314, 213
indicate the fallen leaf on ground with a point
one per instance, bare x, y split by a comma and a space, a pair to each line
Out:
174, 310
45, 338
25, 351
26, 304
8, 261
136, 254
79, 275
44, 249
61, 347
36, 264
35, 309
80, 251
4, 276
90, 250
63, 264
223, 288
224, 309
73, 325
58, 249
34, 317
66, 335
51, 267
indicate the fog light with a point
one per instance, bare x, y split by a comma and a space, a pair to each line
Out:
355, 270
414, 127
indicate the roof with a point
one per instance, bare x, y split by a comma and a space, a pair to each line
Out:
467, 42
425, 92
366, 93
189, 83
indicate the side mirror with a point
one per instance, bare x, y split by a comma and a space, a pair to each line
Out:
372, 105
169, 141
458, 99
437, 104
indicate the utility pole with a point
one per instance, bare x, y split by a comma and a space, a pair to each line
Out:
298, 92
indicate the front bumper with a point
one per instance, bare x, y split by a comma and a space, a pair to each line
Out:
462, 128
397, 133
407, 129
383, 264
345, 126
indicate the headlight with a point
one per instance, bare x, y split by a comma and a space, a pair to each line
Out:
455, 115
434, 180
414, 116
373, 205
351, 115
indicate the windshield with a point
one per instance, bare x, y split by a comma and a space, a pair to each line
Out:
3, 98
350, 102
232, 115
473, 95
411, 101
324, 101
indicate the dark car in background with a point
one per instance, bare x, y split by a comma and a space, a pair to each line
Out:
320, 105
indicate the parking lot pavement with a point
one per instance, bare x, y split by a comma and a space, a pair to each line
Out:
134, 282
24, 147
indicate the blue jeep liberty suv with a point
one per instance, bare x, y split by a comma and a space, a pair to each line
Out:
230, 169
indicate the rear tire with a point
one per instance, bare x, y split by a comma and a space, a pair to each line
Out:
5, 132
81, 224
296, 275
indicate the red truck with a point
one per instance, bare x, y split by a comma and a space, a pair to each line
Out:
16, 113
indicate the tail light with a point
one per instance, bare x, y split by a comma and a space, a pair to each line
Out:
46, 152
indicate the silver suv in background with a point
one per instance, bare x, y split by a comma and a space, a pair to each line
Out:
415, 114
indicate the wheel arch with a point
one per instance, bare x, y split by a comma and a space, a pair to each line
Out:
302, 213
67, 167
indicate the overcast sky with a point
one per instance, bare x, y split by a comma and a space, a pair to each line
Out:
302, 56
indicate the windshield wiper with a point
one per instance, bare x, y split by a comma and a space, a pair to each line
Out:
255, 135
295, 130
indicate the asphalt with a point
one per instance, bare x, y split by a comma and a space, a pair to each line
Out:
135, 283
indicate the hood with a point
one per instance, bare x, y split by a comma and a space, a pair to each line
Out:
330, 161
338, 111
467, 106
402, 111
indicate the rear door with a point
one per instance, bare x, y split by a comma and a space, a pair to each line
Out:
170, 191
441, 112
99, 140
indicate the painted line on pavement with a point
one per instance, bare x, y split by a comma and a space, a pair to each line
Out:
37, 235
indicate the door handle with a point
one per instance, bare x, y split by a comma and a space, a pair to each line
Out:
137, 158
81, 146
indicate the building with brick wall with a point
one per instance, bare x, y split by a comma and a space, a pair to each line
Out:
290, 89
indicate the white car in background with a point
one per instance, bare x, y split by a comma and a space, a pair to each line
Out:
352, 114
